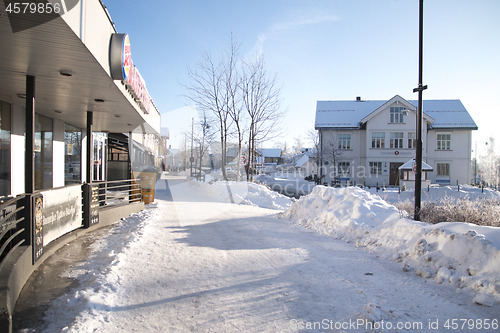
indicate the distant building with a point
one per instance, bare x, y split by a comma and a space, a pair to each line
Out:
303, 164
269, 158
367, 141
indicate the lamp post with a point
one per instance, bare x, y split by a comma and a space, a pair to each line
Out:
420, 89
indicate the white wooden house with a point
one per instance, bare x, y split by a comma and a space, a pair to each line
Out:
367, 141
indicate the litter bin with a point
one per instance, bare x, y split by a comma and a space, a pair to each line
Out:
148, 182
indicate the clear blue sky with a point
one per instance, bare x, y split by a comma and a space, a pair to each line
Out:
324, 50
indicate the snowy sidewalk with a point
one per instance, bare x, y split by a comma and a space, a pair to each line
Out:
195, 264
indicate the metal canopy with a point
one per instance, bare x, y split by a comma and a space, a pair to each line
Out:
45, 50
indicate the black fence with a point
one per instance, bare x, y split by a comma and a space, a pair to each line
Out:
17, 222
119, 192
13, 226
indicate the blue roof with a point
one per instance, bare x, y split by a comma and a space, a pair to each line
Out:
447, 114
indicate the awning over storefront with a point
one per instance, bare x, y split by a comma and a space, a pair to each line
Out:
69, 79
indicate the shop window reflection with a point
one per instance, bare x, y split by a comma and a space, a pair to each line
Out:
72, 154
4, 149
43, 152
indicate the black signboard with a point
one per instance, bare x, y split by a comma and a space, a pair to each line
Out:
91, 205
37, 227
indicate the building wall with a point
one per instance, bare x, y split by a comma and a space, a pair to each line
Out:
91, 24
361, 153
356, 155
458, 156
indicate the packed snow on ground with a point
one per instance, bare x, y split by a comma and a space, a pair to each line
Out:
242, 193
461, 254
193, 261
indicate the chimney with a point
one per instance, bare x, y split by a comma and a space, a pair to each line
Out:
358, 99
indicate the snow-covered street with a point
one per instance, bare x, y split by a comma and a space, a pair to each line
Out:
197, 263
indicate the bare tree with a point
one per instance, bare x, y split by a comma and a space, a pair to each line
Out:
261, 101
204, 135
313, 136
220, 89
234, 99
208, 90
330, 151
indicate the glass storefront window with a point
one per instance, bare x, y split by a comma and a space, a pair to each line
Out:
72, 155
43, 152
4, 149
99, 170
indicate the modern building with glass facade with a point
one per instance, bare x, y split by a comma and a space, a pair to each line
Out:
67, 60
74, 109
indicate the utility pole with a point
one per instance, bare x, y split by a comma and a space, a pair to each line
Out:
420, 89
192, 158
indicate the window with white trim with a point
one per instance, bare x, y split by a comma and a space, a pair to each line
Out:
412, 140
444, 141
443, 169
378, 139
375, 168
396, 139
344, 168
344, 141
396, 114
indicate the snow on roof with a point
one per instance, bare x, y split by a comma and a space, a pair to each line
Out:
271, 152
343, 114
448, 114
303, 160
409, 166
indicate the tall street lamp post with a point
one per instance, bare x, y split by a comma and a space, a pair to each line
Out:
420, 89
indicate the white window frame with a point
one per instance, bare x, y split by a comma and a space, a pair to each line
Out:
396, 140
344, 140
378, 140
443, 141
396, 115
375, 168
344, 168
443, 169
412, 140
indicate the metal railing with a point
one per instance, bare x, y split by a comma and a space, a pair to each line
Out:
11, 227
119, 192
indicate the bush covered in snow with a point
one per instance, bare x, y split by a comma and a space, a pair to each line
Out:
447, 209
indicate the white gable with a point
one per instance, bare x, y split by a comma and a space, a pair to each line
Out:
441, 114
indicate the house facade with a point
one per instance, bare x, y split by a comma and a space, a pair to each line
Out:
365, 142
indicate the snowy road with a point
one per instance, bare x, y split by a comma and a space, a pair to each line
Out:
196, 265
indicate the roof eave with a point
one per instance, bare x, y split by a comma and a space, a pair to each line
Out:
472, 128
336, 128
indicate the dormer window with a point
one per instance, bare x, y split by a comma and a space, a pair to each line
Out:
397, 114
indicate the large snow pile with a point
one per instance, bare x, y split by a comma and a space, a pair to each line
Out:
461, 254
242, 193
436, 192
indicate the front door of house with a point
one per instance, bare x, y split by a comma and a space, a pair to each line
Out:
394, 175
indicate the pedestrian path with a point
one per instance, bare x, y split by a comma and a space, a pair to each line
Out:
239, 268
